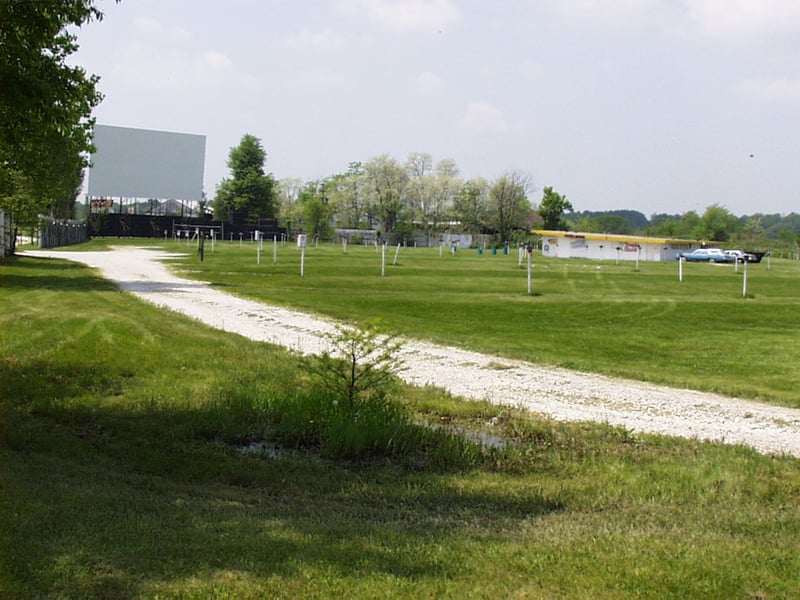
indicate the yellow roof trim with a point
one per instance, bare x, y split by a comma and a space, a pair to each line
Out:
613, 237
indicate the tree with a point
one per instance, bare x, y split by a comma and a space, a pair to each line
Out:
419, 164
386, 181
552, 209
471, 205
752, 231
45, 106
717, 224
349, 187
509, 206
289, 191
315, 209
361, 365
417, 190
429, 193
249, 190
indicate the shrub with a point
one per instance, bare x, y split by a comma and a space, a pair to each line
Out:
360, 365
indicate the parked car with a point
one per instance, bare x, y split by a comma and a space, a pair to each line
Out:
739, 256
714, 255
757, 256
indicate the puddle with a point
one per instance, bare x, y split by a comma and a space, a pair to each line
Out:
487, 440
263, 448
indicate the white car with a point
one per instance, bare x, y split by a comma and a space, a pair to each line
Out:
738, 256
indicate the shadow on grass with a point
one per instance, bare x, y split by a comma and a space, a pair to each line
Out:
40, 383
25, 273
106, 502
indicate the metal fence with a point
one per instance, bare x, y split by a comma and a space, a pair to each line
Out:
59, 232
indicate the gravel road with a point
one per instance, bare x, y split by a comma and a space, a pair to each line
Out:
558, 393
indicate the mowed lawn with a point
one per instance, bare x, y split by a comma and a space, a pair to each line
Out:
123, 428
707, 332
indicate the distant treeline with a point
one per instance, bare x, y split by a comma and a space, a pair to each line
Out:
716, 223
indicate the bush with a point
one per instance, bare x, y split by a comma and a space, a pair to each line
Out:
360, 365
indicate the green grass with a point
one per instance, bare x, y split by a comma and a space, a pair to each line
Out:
588, 315
121, 476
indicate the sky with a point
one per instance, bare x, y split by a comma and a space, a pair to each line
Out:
660, 106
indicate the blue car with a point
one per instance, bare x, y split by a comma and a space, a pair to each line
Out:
713, 255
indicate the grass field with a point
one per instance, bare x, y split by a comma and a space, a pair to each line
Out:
701, 333
122, 475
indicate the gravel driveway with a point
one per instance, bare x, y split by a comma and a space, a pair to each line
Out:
558, 393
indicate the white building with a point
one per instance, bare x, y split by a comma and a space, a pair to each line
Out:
602, 246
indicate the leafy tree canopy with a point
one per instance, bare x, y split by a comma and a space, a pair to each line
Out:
717, 224
385, 182
45, 105
552, 209
509, 207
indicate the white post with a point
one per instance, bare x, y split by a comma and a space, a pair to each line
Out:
638, 252
302, 259
213, 239
275, 248
680, 268
383, 260
396, 253
258, 247
344, 245
744, 280
530, 286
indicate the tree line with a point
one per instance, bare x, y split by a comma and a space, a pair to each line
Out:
398, 199
716, 224
427, 196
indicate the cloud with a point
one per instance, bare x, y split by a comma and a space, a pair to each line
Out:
217, 69
153, 27
717, 18
429, 83
164, 59
406, 15
610, 9
730, 18
146, 69
770, 89
482, 117
324, 40
530, 70
321, 79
